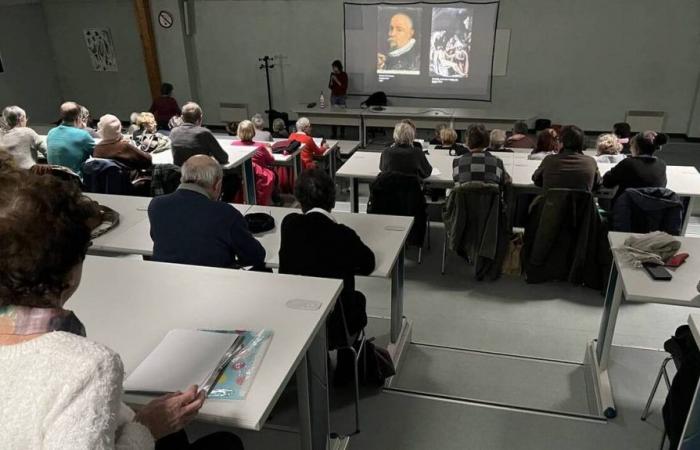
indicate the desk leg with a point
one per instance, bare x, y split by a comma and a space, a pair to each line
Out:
354, 195
248, 182
397, 278
363, 132
687, 213
297, 166
331, 162
598, 352
312, 386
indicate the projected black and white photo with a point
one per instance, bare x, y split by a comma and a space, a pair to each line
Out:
398, 41
450, 42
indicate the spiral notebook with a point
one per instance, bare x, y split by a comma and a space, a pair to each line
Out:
184, 358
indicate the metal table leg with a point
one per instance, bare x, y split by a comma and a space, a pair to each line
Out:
687, 213
363, 132
397, 278
248, 182
354, 195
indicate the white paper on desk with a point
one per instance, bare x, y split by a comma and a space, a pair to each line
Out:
318, 141
181, 359
435, 172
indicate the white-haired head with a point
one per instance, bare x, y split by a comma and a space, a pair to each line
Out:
404, 134
203, 171
303, 125
13, 116
258, 121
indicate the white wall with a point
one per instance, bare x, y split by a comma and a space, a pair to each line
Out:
117, 93
30, 78
575, 62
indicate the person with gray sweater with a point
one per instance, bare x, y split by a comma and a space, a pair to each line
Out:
191, 138
23, 143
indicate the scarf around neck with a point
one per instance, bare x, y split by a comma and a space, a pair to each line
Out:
22, 323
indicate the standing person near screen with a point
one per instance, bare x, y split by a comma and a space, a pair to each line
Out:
338, 84
403, 53
165, 106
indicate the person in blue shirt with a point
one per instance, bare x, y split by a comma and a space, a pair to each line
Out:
68, 145
190, 226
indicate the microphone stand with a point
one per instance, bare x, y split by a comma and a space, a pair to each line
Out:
266, 60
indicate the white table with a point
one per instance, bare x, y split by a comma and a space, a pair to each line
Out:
384, 235
133, 233
636, 286
129, 306
237, 156
458, 118
364, 166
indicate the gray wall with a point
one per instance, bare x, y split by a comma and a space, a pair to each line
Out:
30, 77
575, 62
118, 93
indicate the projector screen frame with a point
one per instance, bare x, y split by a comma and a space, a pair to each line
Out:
390, 3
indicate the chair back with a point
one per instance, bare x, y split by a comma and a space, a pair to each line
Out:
398, 194
648, 209
106, 176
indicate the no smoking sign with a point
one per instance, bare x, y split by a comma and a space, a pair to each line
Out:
165, 19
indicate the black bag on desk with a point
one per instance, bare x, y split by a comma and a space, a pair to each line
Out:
285, 147
259, 222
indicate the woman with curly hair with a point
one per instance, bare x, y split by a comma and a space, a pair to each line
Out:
61, 390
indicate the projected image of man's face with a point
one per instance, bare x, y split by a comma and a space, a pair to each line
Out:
400, 31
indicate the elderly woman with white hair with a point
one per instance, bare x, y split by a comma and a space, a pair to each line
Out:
115, 146
608, 149
260, 133
21, 142
403, 156
309, 147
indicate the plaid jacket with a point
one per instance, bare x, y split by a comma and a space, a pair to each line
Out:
481, 166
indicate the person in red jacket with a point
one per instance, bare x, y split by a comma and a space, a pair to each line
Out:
262, 163
338, 84
165, 106
309, 148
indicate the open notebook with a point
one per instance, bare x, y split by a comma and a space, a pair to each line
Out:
184, 358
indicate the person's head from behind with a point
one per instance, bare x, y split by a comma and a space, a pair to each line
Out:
192, 113
166, 89
572, 138
410, 123
622, 130
84, 117
448, 137
303, 125
205, 172
438, 128
258, 121
401, 31
547, 141
520, 128
477, 137
70, 113
337, 66
497, 139
278, 125
315, 189
246, 131
608, 144
14, 116
147, 121
647, 142
134, 117
110, 128
404, 134
44, 236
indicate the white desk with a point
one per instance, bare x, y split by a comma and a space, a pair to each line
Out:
384, 235
129, 306
636, 286
364, 166
133, 233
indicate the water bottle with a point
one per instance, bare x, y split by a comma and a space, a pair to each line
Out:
322, 101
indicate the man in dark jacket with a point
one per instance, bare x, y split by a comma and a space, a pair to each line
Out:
191, 138
314, 244
190, 226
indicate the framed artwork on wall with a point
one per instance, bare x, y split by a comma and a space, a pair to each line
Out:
101, 49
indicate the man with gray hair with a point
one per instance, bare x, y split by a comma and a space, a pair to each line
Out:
260, 133
190, 226
403, 156
191, 138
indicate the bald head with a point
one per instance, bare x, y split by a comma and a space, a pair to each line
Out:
192, 113
205, 172
70, 112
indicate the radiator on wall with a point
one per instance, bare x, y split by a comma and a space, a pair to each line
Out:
233, 112
646, 120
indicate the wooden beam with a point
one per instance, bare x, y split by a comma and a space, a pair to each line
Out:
148, 43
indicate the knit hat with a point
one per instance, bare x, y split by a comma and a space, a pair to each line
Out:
110, 128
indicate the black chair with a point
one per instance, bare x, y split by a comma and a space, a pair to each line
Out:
393, 193
106, 176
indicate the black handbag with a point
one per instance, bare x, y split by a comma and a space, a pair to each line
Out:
260, 222
375, 365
